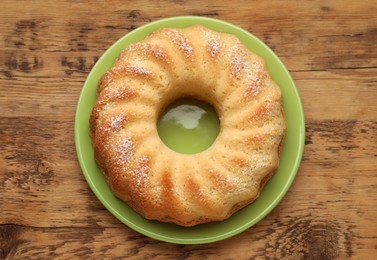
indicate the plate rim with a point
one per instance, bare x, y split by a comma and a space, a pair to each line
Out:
77, 137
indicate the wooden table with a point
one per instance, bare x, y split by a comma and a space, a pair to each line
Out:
47, 209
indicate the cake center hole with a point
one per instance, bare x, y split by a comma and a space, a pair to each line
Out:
188, 126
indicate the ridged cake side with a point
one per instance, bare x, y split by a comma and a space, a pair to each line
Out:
187, 189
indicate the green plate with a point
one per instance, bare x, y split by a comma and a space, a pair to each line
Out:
243, 219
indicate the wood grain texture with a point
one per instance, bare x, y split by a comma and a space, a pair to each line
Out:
47, 210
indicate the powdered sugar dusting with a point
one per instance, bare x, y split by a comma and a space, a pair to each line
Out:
254, 88
158, 52
214, 45
237, 64
123, 155
123, 151
136, 71
124, 92
256, 78
141, 171
146, 49
118, 71
119, 93
253, 72
264, 110
116, 122
106, 127
214, 48
180, 40
111, 126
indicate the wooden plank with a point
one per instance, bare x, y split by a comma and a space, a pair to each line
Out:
326, 36
47, 50
38, 188
338, 94
332, 94
284, 236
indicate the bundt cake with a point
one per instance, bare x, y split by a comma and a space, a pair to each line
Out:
187, 189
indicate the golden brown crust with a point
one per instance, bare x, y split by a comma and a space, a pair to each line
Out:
187, 189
